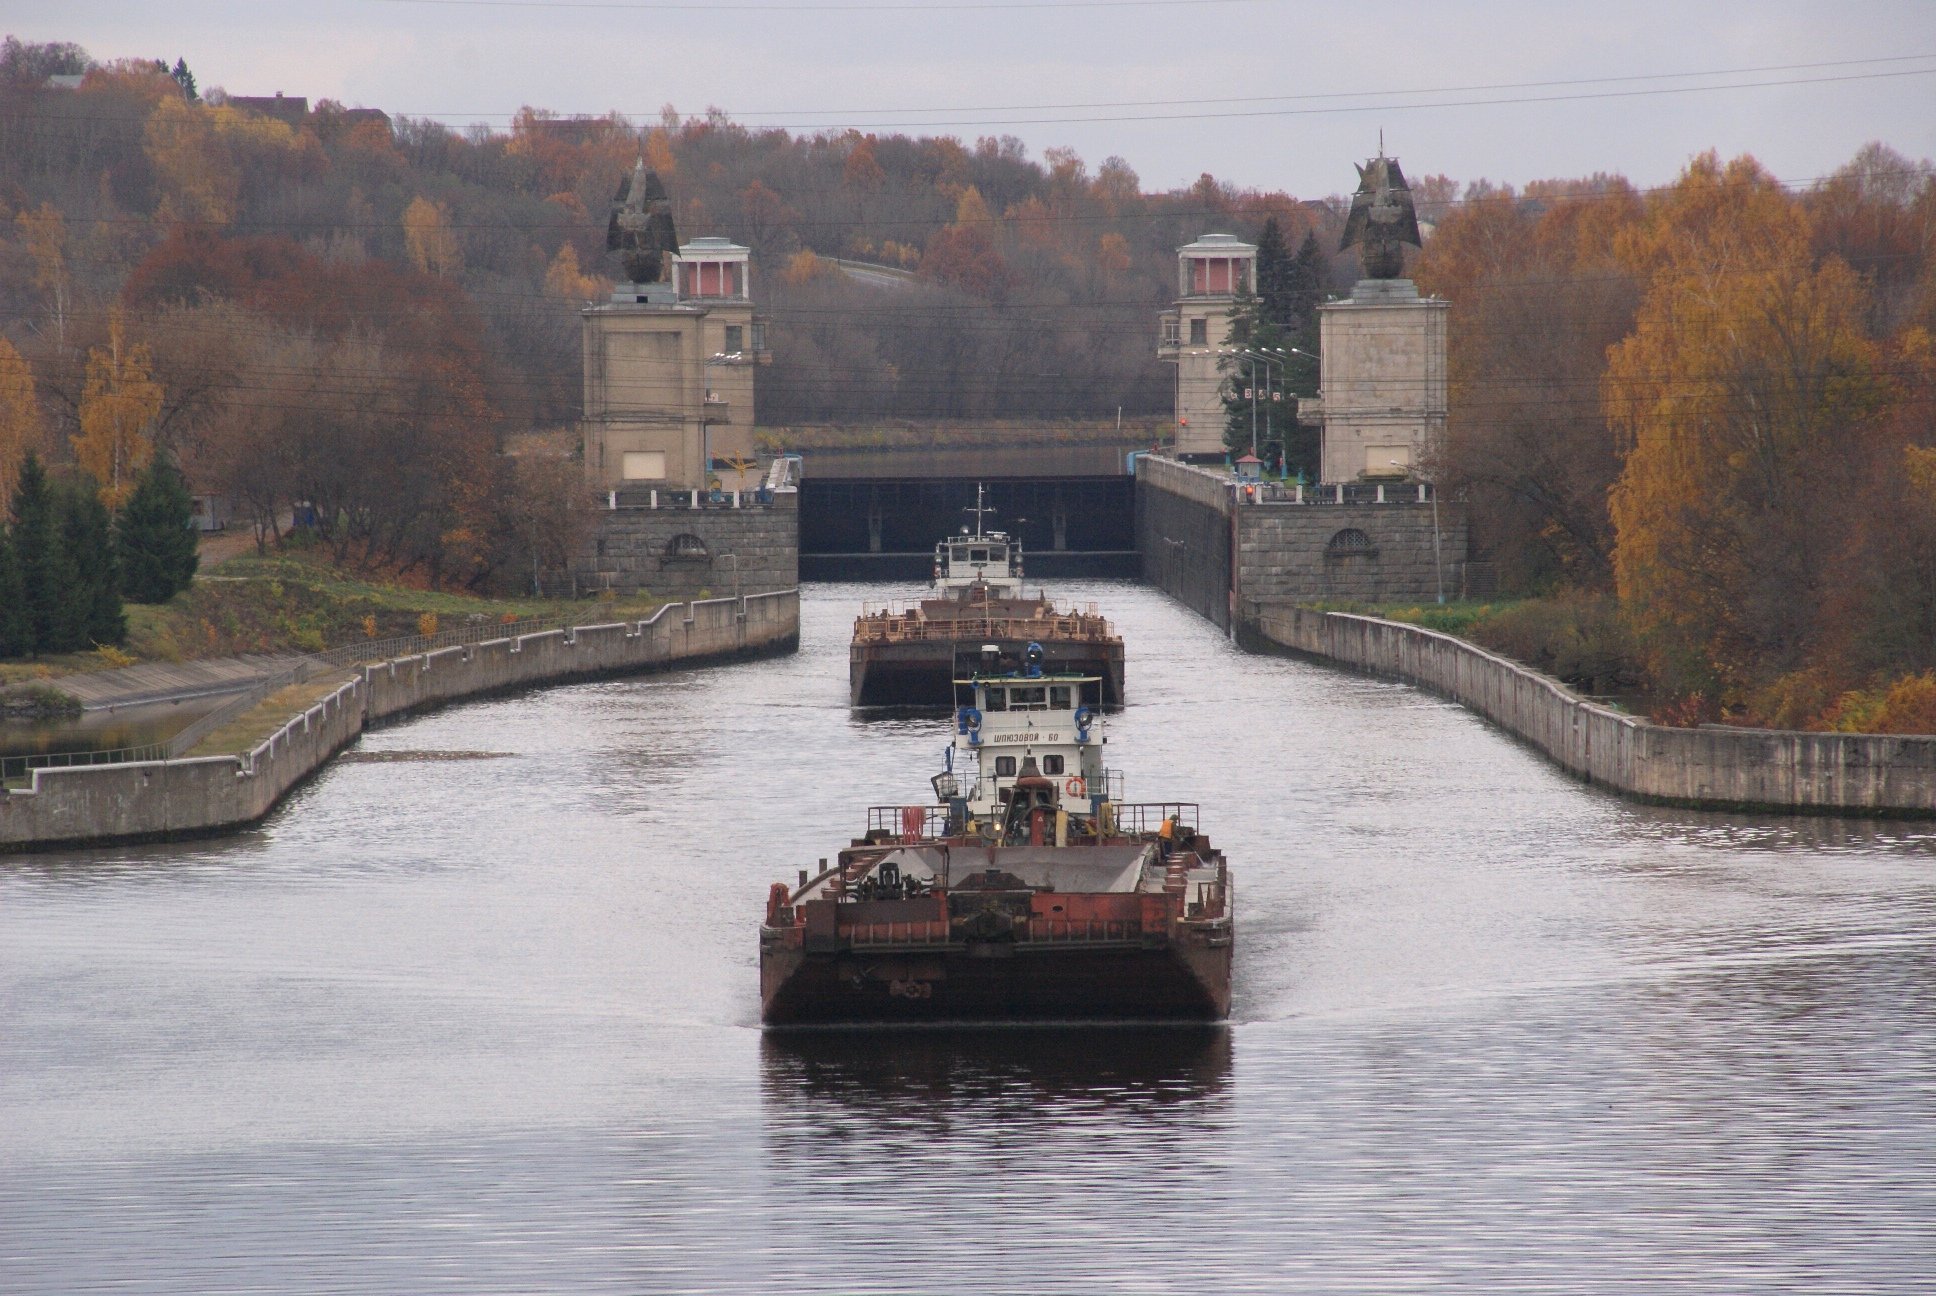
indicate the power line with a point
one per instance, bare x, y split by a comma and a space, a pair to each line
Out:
739, 113
818, 6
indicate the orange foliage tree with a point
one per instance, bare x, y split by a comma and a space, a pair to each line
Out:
1740, 397
20, 425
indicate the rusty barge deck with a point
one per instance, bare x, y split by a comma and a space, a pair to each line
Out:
914, 926
913, 657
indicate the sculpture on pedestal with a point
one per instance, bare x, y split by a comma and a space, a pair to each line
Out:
641, 230
1382, 219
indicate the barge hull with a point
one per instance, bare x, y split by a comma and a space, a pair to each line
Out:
997, 983
924, 673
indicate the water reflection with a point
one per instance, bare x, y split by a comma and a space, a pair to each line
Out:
131, 726
490, 1025
1025, 1068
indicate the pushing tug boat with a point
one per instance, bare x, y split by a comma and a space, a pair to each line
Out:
1027, 890
911, 656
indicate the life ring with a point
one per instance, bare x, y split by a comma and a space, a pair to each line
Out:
1075, 787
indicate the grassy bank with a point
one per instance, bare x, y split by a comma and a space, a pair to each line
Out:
1579, 640
298, 603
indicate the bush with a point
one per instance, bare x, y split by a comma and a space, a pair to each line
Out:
1580, 639
1906, 706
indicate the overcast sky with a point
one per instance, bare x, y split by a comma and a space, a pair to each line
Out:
1269, 94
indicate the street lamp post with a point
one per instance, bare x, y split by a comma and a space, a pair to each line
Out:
1438, 563
1255, 357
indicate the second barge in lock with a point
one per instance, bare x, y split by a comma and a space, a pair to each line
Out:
911, 656
1028, 890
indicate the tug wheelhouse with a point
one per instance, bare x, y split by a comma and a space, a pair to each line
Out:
1034, 730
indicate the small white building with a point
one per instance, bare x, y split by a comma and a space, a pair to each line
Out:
1212, 274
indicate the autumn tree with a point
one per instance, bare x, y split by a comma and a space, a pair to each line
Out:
20, 424
1536, 300
1739, 395
44, 230
428, 237
117, 411
563, 278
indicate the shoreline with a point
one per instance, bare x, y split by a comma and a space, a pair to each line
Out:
100, 805
1741, 770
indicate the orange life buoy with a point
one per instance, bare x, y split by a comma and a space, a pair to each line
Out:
1075, 787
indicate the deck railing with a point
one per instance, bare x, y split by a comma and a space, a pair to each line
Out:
911, 627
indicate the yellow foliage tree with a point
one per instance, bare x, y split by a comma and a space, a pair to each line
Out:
118, 405
20, 425
428, 238
1746, 371
658, 154
200, 155
972, 209
802, 267
565, 279
198, 182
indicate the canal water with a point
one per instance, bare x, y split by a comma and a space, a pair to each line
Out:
475, 1011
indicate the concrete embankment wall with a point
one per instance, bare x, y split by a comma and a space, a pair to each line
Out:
1183, 533
1212, 547
1716, 768
103, 803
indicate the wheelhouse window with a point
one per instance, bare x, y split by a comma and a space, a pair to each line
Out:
994, 699
978, 555
1028, 699
1058, 697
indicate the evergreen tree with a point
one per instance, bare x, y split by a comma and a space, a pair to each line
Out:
54, 616
185, 79
13, 612
1274, 271
153, 536
89, 540
1303, 290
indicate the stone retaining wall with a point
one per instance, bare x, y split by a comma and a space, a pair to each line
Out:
1718, 768
1211, 550
751, 548
159, 799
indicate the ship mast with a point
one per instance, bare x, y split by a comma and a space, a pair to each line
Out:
979, 509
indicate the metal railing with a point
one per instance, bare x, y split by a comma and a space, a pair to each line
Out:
471, 632
912, 627
908, 823
353, 654
19, 766
301, 670
1389, 492
1035, 930
1144, 817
